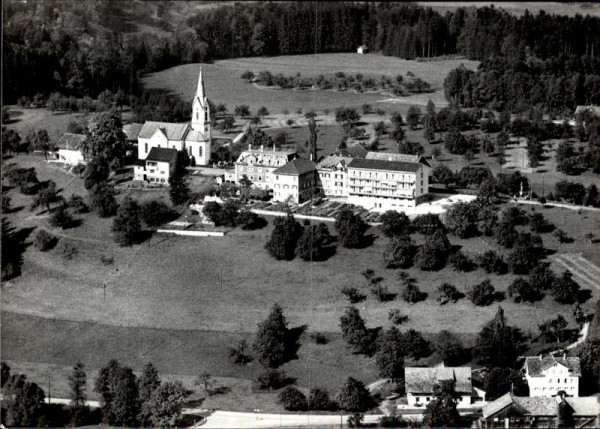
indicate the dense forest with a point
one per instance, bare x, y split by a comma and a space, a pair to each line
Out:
85, 48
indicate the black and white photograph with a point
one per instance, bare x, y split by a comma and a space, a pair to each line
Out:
300, 214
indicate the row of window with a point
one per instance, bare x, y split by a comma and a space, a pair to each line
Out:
328, 175
156, 180
376, 175
200, 149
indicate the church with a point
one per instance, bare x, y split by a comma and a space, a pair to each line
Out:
158, 142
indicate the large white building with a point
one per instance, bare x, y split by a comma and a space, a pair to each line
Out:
332, 173
546, 376
383, 181
192, 137
258, 165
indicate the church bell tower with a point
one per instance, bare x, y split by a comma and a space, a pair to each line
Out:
200, 109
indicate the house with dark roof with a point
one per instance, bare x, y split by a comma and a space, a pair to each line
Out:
546, 376
421, 384
258, 165
294, 181
157, 167
561, 411
68, 149
383, 182
193, 137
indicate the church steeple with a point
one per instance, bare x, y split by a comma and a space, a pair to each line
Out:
200, 109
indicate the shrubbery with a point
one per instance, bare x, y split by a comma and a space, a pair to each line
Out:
44, 241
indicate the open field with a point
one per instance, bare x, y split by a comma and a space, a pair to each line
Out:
224, 85
519, 8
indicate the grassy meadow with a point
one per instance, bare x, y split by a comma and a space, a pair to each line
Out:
224, 85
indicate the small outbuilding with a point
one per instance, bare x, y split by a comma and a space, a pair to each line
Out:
362, 49
68, 149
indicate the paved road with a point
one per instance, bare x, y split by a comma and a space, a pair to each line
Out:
230, 419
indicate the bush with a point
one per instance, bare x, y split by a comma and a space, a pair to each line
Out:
353, 295
319, 400
44, 241
250, 221
392, 422
271, 379
447, 293
79, 169
293, 399
61, 217
461, 262
491, 262
412, 294
107, 260
396, 317
319, 338
482, 294
156, 213
68, 251
77, 204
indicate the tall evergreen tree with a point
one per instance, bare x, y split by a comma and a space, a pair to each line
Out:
78, 385
271, 339
285, 235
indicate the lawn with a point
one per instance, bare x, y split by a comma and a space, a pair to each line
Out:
180, 302
224, 85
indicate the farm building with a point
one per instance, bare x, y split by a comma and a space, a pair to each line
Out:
560, 411
548, 375
362, 49
420, 384
68, 149
193, 137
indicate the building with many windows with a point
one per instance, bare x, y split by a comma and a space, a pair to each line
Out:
158, 166
332, 175
546, 376
387, 184
258, 165
294, 181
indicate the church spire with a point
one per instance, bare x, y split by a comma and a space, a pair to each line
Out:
200, 90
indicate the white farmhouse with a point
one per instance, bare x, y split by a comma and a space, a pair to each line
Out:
546, 376
421, 383
69, 149
193, 137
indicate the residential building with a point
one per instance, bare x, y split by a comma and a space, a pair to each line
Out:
387, 184
421, 383
193, 137
546, 376
157, 167
511, 411
258, 165
332, 176
68, 149
295, 181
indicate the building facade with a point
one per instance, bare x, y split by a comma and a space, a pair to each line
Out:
420, 384
295, 181
68, 149
332, 176
380, 185
258, 165
157, 167
546, 376
193, 137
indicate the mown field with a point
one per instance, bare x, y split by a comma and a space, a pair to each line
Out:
224, 85
519, 8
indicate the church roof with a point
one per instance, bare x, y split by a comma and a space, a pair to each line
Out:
423, 380
195, 136
296, 167
162, 154
171, 130
70, 141
536, 364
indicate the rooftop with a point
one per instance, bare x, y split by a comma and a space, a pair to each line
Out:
423, 380
535, 365
296, 167
132, 131
354, 151
70, 141
332, 161
396, 157
269, 158
170, 130
162, 154
543, 405
377, 164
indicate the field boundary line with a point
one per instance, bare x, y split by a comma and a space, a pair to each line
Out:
577, 270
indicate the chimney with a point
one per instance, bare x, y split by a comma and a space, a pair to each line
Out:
564, 355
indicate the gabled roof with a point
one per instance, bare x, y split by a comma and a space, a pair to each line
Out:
132, 131
195, 136
354, 151
543, 405
267, 158
396, 157
296, 167
332, 161
377, 164
162, 154
424, 380
172, 131
535, 365
70, 141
